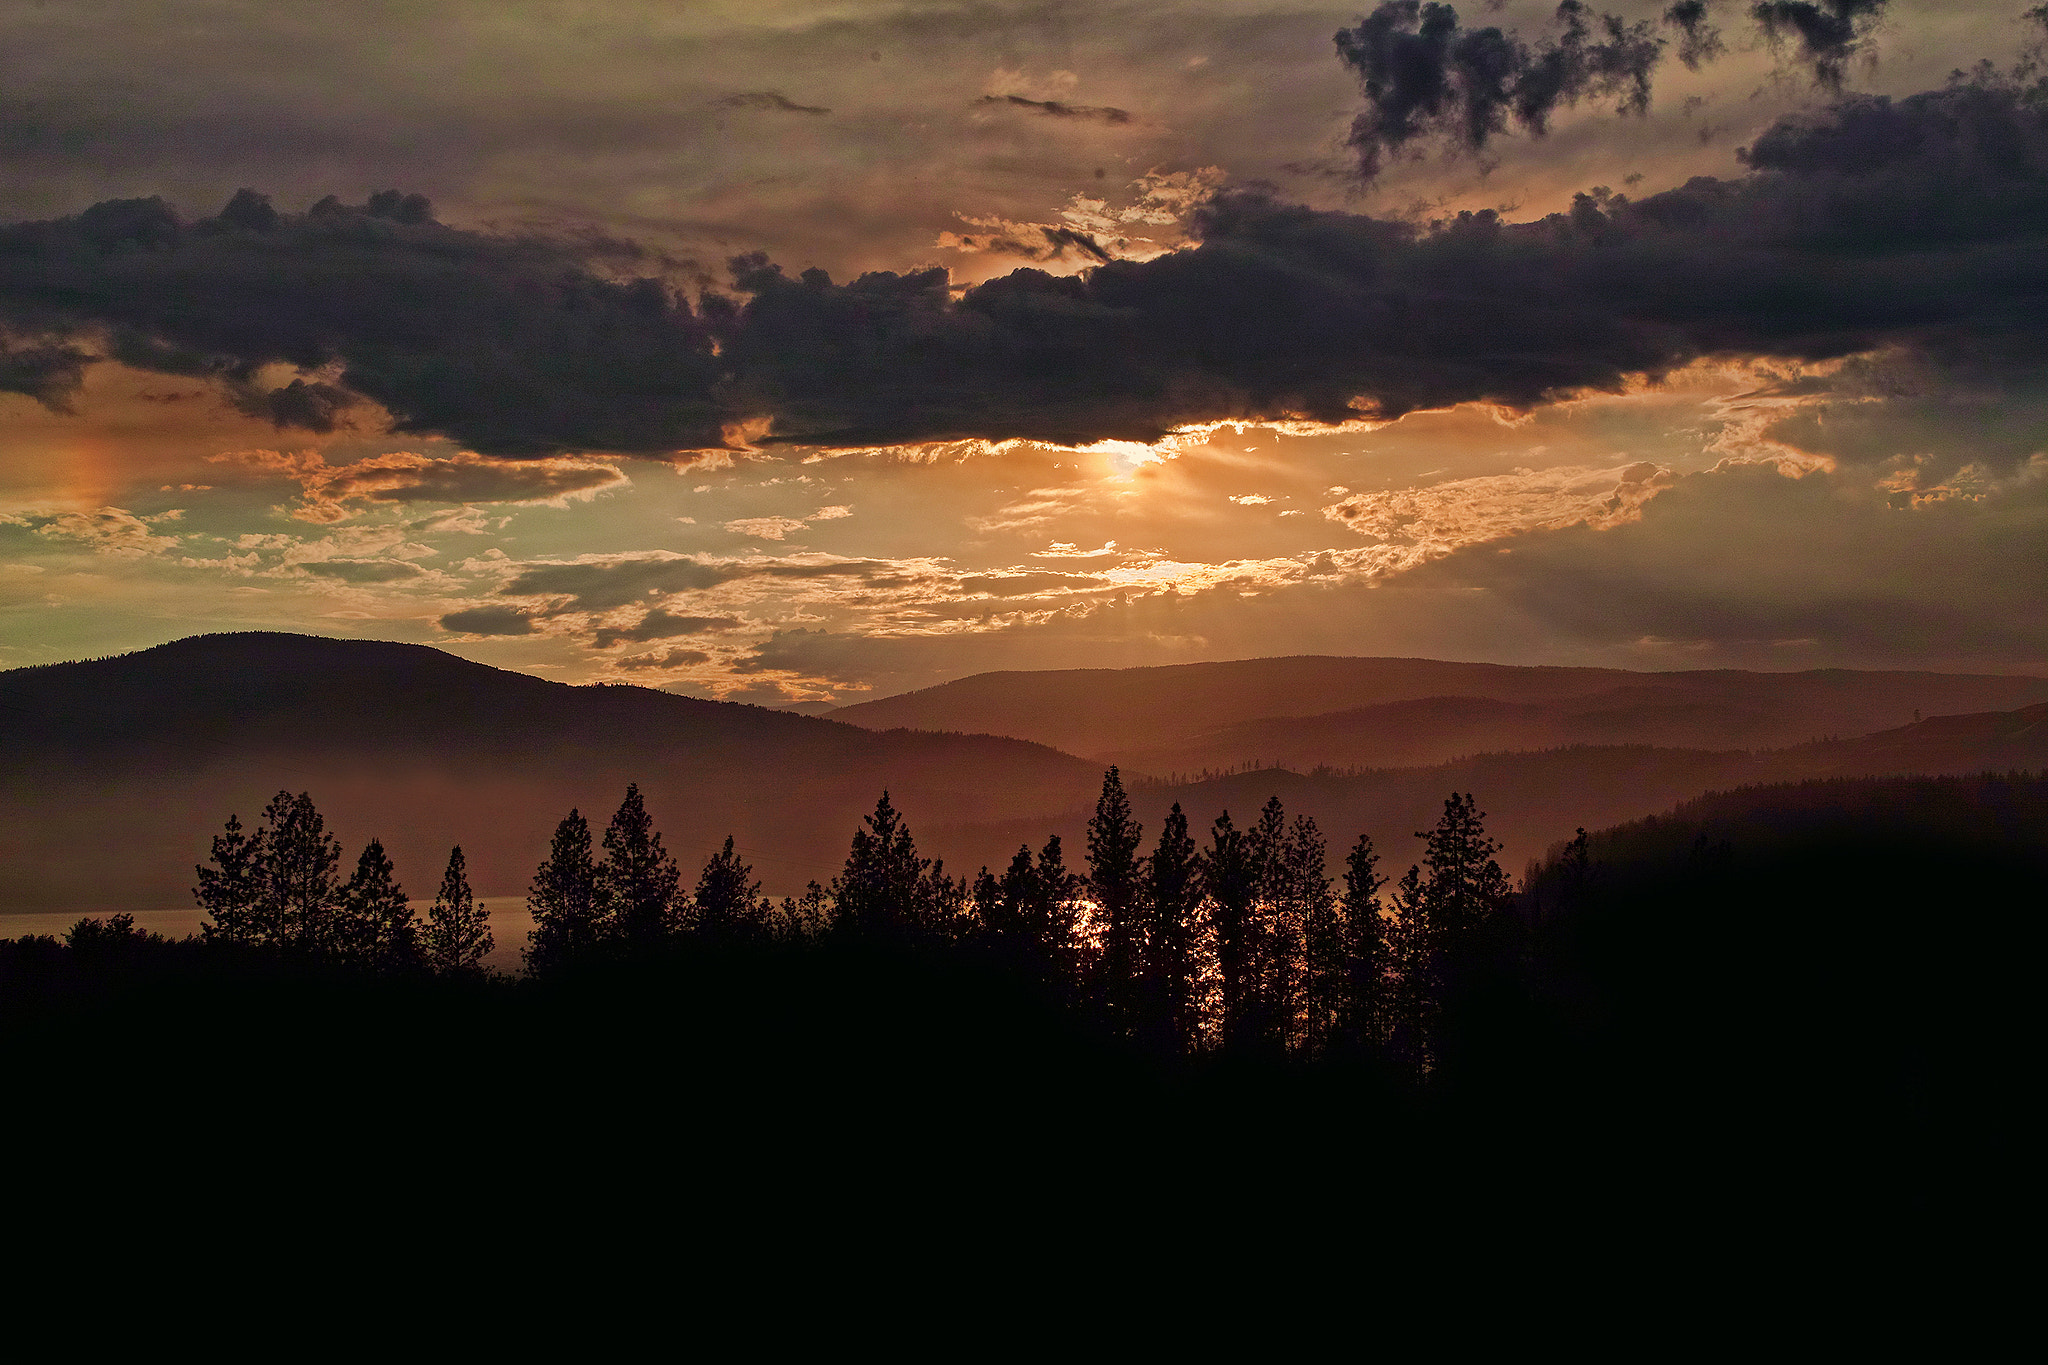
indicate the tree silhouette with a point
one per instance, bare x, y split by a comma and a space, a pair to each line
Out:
727, 905
1114, 878
1309, 940
378, 928
1466, 884
567, 918
1231, 873
1173, 886
298, 906
885, 891
638, 883
1362, 1017
231, 890
458, 936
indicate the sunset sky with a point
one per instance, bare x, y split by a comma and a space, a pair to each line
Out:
786, 352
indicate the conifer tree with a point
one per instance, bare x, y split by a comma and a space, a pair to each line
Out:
883, 890
1272, 934
298, 906
1366, 954
638, 883
1114, 878
1411, 998
230, 891
1466, 884
1231, 873
458, 936
727, 904
1309, 948
378, 928
567, 918
1173, 886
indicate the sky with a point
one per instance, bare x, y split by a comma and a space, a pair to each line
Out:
811, 352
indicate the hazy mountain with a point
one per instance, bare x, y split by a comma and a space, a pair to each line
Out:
1533, 799
117, 772
1300, 712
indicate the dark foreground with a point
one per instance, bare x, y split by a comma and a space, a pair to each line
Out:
1813, 1006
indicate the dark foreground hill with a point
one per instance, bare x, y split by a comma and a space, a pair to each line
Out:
1382, 713
1803, 1007
118, 771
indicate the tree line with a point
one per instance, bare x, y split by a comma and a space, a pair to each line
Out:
1245, 943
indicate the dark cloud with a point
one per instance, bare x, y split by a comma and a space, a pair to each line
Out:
667, 658
465, 479
773, 100
1830, 34
1424, 75
1026, 584
363, 570
1093, 113
605, 585
1919, 223
49, 372
509, 345
488, 621
660, 625
1699, 39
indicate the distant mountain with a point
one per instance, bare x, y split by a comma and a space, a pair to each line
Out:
114, 774
1362, 712
1534, 799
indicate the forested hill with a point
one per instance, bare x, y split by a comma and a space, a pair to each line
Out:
1364, 712
117, 771
1535, 798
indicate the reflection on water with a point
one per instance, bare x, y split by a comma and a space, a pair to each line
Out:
510, 922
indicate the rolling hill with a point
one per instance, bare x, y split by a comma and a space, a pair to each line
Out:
118, 771
1377, 713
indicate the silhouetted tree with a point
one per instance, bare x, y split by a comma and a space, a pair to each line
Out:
1466, 884
378, 928
1114, 878
568, 920
232, 889
638, 883
727, 904
1231, 874
458, 936
1410, 998
1173, 896
885, 891
803, 918
1366, 954
1309, 937
299, 902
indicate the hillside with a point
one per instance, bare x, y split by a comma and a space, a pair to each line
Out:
1534, 799
1363, 712
118, 771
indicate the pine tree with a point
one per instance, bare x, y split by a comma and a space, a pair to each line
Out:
638, 883
378, 928
1231, 873
458, 936
298, 905
230, 891
567, 919
1114, 878
1272, 935
1365, 952
1173, 887
882, 891
1311, 941
1466, 884
1411, 998
727, 905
